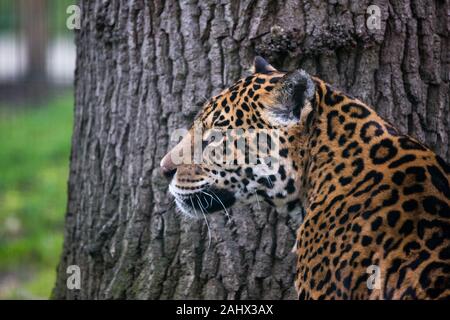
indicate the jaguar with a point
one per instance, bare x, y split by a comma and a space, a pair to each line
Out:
374, 204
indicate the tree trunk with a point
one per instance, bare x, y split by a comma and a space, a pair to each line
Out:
145, 67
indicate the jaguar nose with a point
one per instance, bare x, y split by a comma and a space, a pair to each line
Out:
168, 168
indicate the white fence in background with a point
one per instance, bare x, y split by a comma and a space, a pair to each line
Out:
61, 55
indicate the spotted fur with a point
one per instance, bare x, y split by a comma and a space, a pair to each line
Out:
372, 196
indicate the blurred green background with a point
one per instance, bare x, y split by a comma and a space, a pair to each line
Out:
36, 107
35, 146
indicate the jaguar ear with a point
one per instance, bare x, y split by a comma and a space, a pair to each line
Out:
294, 92
262, 66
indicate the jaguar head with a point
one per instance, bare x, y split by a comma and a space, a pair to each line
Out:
243, 145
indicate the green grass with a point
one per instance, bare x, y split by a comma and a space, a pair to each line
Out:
34, 160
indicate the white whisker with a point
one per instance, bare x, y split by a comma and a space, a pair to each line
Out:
257, 201
220, 201
193, 207
210, 196
206, 201
206, 220
270, 181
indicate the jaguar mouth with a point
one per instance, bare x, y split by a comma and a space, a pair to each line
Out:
205, 201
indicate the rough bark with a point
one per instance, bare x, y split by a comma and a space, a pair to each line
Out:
145, 67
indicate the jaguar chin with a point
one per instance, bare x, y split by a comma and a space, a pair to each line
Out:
207, 200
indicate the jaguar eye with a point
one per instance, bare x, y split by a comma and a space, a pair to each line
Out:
211, 139
208, 141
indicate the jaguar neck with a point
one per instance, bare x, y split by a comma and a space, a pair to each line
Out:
332, 154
